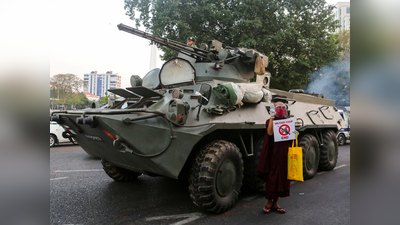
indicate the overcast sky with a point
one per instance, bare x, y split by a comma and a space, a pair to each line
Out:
84, 37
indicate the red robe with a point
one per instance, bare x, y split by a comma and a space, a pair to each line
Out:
272, 166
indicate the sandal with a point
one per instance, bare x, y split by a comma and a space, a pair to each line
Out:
267, 209
279, 209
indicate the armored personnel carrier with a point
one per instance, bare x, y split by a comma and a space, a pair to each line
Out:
188, 120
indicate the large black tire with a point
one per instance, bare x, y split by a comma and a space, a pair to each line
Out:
341, 139
310, 147
250, 179
329, 151
216, 177
53, 140
118, 173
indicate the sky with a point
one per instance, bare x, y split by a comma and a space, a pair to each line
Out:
84, 37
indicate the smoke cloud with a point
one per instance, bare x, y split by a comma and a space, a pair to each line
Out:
332, 81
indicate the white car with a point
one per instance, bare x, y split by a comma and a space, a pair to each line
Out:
56, 134
344, 134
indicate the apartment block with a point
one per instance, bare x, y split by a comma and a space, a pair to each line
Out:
342, 13
98, 84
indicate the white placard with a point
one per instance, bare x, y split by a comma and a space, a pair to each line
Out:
283, 130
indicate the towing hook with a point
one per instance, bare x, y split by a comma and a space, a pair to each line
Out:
67, 134
120, 146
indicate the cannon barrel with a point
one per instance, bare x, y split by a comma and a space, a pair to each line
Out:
178, 46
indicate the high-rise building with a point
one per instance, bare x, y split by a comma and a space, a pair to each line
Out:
342, 13
98, 84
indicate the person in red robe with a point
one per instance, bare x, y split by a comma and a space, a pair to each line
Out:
272, 165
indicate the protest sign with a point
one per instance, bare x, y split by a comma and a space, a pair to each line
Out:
283, 130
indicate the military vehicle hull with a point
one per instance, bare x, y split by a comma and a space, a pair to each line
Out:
176, 124
150, 143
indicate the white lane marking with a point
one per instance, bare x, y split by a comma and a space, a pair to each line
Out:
338, 167
190, 217
67, 171
59, 178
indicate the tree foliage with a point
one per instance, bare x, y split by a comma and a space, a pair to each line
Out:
104, 100
64, 90
294, 34
344, 43
333, 80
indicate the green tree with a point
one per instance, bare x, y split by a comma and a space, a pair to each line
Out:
79, 100
344, 43
295, 34
104, 99
63, 87
333, 80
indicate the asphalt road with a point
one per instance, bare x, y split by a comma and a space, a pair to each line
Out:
81, 193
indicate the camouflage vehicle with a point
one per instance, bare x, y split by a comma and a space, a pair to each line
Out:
179, 122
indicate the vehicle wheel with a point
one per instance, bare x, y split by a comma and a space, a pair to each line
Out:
250, 179
216, 177
341, 139
118, 173
329, 151
310, 155
53, 140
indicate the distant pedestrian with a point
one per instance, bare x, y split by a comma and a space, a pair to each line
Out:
272, 165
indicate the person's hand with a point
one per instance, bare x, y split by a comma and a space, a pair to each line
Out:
272, 111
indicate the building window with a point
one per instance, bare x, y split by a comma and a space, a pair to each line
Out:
348, 10
99, 86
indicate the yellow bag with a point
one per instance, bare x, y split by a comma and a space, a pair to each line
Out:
295, 162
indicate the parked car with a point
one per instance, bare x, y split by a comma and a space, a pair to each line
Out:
344, 133
56, 131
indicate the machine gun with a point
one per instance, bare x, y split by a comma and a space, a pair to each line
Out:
242, 59
178, 46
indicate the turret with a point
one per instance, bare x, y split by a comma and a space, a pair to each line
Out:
210, 60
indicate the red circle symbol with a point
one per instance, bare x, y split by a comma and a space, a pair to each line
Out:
284, 129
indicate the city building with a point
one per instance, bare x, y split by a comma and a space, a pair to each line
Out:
342, 13
98, 84
90, 96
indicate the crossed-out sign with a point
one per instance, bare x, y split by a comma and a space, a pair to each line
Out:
283, 130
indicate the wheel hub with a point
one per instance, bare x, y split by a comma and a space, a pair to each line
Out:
341, 140
310, 158
331, 151
51, 141
226, 177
